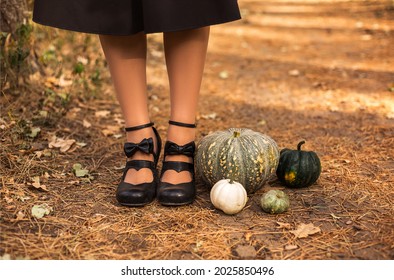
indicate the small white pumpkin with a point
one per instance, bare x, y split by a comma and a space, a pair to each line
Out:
228, 196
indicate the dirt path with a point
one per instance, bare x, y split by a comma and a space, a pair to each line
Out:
322, 71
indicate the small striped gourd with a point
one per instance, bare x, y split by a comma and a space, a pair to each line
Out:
240, 154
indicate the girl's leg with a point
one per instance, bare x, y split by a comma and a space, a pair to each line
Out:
126, 57
185, 53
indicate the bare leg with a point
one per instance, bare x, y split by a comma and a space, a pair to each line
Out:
126, 57
185, 53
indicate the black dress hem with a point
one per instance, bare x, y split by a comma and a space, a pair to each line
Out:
97, 32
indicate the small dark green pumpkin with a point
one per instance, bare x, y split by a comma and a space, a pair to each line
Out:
298, 169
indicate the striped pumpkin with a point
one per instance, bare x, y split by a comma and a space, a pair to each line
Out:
240, 154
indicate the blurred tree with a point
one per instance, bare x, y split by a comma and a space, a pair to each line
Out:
15, 41
13, 14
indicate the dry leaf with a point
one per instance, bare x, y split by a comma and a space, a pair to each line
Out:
79, 171
82, 144
246, 251
36, 183
284, 225
63, 82
86, 124
247, 236
19, 216
211, 116
294, 72
82, 60
34, 132
102, 114
224, 75
41, 210
51, 82
110, 130
63, 144
304, 230
291, 247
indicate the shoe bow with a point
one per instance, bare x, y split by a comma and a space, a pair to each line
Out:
145, 146
174, 149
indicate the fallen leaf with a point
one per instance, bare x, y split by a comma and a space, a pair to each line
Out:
63, 144
390, 115
43, 113
304, 230
102, 114
154, 97
41, 210
86, 124
262, 122
110, 130
36, 183
291, 247
63, 82
198, 246
246, 251
34, 132
247, 236
23, 198
224, 75
284, 225
79, 171
82, 60
19, 216
211, 116
294, 72
82, 144
51, 82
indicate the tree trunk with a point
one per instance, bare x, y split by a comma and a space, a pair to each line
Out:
13, 13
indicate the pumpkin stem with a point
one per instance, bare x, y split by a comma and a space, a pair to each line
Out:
300, 144
231, 177
236, 134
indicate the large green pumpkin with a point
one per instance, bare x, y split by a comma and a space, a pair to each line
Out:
298, 169
240, 154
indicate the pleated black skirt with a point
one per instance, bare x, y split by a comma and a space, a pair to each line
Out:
126, 17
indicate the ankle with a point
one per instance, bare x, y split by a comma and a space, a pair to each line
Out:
138, 135
181, 133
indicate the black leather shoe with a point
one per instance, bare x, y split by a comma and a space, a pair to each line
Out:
140, 194
178, 194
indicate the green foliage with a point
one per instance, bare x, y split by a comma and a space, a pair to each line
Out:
79, 68
15, 50
48, 56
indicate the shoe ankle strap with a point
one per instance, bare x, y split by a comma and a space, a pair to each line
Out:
189, 125
133, 128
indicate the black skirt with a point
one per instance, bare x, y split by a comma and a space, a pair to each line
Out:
126, 17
